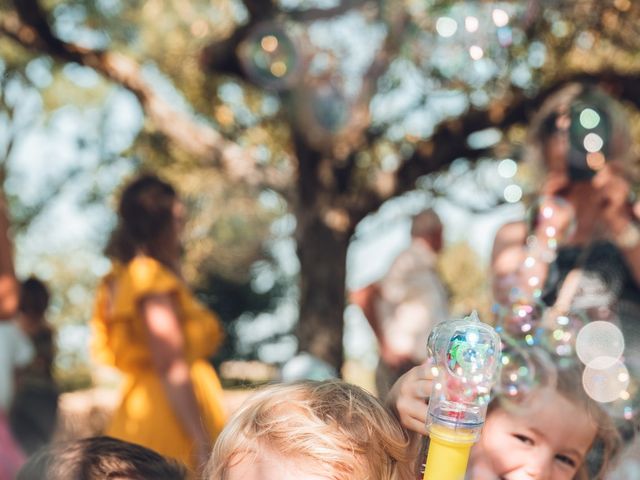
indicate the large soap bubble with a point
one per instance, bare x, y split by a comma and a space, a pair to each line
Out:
625, 406
526, 373
322, 112
560, 333
270, 57
600, 344
607, 384
521, 318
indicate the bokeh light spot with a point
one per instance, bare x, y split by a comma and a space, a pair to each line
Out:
512, 193
599, 344
446, 27
589, 118
593, 142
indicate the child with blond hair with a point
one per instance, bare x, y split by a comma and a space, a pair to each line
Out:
311, 431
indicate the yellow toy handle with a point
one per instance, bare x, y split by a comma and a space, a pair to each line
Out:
448, 453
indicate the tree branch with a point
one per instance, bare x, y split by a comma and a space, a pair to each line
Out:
195, 138
449, 142
354, 135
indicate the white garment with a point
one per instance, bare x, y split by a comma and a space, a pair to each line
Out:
412, 301
16, 350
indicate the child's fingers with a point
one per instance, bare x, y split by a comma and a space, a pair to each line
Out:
416, 426
417, 410
412, 411
424, 371
422, 389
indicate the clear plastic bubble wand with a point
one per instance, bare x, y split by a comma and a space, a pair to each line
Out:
467, 356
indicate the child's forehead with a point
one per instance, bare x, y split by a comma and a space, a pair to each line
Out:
554, 416
543, 404
260, 462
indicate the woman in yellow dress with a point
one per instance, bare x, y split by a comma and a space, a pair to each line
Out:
149, 325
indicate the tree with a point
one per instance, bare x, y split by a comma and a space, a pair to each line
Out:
275, 104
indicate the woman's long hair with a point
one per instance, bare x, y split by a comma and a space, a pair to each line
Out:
145, 222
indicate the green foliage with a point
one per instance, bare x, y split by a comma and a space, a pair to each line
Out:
428, 79
233, 299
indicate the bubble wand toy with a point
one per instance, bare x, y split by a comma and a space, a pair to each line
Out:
467, 356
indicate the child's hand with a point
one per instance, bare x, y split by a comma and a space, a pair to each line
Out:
409, 397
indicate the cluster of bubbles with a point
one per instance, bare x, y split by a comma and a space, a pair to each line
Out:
607, 376
524, 372
589, 336
273, 57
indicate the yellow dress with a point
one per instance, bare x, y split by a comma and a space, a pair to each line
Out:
145, 415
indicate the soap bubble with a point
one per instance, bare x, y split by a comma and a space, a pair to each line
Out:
330, 108
607, 384
600, 344
522, 317
560, 332
526, 372
322, 112
269, 57
625, 407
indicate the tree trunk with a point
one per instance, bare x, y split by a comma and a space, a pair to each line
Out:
322, 253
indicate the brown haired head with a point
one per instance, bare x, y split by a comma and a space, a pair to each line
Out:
146, 216
34, 298
99, 458
330, 427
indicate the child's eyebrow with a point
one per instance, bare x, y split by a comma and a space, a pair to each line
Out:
571, 450
575, 452
537, 432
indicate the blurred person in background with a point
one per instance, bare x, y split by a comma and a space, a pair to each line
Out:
407, 302
578, 260
148, 324
100, 458
15, 349
35, 407
580, 142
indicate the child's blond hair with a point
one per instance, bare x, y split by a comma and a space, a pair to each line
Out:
333, 428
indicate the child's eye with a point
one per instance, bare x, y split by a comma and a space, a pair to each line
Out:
523, 438
567, 460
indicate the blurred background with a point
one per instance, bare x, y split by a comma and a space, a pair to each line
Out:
303, 135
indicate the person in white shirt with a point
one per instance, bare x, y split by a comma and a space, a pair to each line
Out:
404, 306
16, 351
